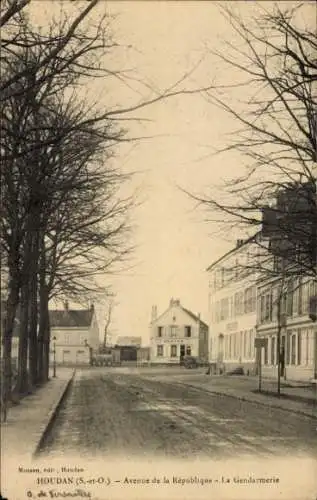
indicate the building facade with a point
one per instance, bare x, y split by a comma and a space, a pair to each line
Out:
176, 333
287, 306
298, 332
232, 308
74, 335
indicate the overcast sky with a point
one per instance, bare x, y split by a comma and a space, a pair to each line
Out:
174, 244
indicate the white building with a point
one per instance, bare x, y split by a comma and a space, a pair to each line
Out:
232, 308
74, 332
298, 332
176, 333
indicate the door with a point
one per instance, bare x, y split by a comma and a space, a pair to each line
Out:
81, 357
182, 353
66, 357
283, 355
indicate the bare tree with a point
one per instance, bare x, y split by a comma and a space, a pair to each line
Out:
110, 306
48, 249
276, 59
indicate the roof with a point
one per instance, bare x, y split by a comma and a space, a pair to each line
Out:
194, 316
233, 250
187, 311
70, 318
129, 341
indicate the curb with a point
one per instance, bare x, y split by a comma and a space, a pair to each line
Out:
250, 400
46, 428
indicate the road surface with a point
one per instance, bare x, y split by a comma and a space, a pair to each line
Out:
134, 413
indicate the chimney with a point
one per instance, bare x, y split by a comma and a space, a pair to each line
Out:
66, 305
239, 243
154, 313
174, 302
92, 307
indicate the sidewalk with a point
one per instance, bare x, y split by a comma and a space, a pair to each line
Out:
27, 422
297, 398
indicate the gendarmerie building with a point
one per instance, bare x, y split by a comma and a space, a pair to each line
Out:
176, 333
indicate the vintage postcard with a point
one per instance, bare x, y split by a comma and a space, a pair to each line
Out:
158, 250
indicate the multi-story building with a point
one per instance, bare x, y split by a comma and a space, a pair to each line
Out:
232, 307
74, 334
289, 315
287, 301
176, 333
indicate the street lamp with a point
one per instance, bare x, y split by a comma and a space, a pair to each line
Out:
54, 357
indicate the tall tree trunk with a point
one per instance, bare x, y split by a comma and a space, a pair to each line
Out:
278, 346
44, 337
33, 310
44, 327
8, 326
22, 382
47, 346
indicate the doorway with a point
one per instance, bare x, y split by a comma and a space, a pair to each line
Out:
283, 356
182, 353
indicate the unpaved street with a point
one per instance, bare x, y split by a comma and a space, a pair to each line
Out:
131, 412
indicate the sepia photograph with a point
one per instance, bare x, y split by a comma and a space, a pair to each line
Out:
158, 249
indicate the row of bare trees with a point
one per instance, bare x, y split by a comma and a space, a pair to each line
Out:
63, 221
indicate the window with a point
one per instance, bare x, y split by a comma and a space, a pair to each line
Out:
293, 349
82, 339
79, 352
173, 351
274, 303
224, 309
188, 331
238, 303
231, 308
305, 298
295, 297
266, 360
217, 314
159, 351
266, 307
249, 300
241, 345
173, 330
67, 338
300, 293
226, 347
289, 299
159, 331
299, 347
250, 345
288, 348
273, 349
235, 345
245, 339
188, 350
